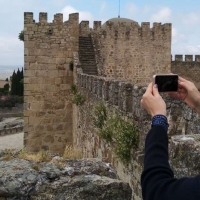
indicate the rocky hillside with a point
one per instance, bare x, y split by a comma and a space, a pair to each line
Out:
60, 180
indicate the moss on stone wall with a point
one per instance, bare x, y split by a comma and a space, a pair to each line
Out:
77, 98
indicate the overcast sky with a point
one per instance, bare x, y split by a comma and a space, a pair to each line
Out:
183, 14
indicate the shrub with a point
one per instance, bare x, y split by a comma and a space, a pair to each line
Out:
8, 104
21, 36
73, 89
11, 101
77, 98
126, 139
100, 116
108, 130
123, 134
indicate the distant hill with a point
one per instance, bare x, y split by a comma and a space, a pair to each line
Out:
6, 71
4, 76
3, 82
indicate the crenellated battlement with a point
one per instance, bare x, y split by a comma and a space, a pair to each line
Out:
187, 66
133, 29
96, 25
84, 28
58, 18
43, 18
186, 58
28, 18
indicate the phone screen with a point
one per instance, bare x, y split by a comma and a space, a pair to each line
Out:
167, 83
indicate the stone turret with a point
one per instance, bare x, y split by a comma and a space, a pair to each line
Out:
48, 50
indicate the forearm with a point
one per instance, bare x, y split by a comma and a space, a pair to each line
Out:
156, 147
156, 166
157, 179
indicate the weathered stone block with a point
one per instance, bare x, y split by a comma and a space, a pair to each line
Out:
52, 73
29, 44
43, 59
58, 81
60, 61
65, 87
29, 59
32, 87
35, 106
60, 105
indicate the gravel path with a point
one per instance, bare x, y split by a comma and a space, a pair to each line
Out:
14, 141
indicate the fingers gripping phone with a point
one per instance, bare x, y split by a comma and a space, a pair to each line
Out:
166, 82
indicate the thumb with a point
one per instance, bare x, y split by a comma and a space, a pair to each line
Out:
155, 90
185, 85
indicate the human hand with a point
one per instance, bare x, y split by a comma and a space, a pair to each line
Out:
188, 92
153, 102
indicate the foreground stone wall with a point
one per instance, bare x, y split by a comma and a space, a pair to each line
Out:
85, 179
133, 53
9, 131
124, 99
48, 51
188, 68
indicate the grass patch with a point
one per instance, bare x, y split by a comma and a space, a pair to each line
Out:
72, 153
41, 156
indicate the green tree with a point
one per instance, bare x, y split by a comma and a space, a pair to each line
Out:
18, 79
17, 86
6, 88
13, 83
21, 36
21, 83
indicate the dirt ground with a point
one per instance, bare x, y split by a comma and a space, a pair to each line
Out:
2, 83
15, 141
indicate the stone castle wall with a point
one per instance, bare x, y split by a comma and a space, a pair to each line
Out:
123, 98
126, 59
133, 53
188, 68
48, 49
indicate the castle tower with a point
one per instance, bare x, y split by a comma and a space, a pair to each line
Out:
123, 51
132, 52
48, 50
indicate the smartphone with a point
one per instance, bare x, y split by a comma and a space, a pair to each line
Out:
166, 82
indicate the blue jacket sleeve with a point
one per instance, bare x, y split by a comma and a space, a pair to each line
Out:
157, 180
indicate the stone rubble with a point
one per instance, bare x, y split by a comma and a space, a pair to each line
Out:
67, 180
11, 123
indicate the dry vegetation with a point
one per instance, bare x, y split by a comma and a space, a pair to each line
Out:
72, 152
43, 156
